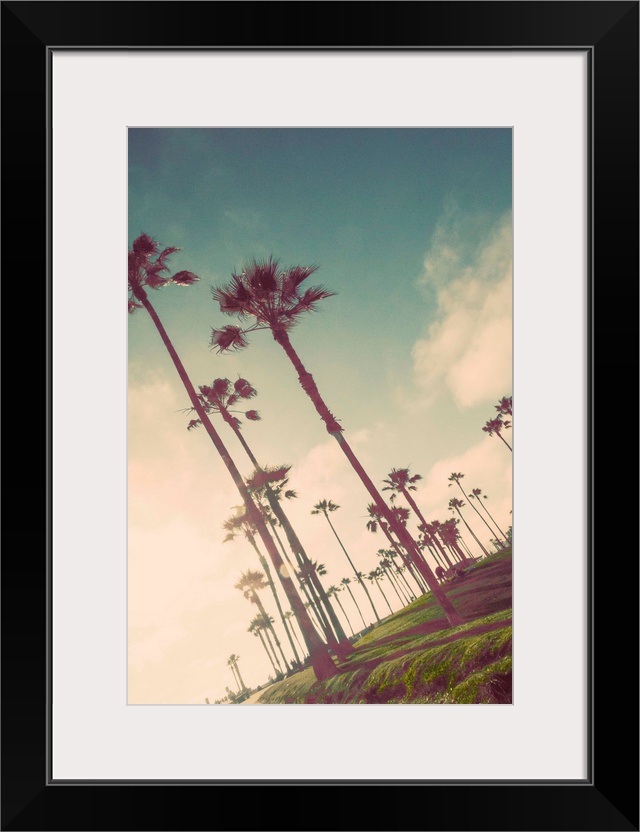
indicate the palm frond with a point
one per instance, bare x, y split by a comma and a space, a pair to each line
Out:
145, 246
185, 278
228, 338
154, 281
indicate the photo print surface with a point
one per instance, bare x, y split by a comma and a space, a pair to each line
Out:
320, 416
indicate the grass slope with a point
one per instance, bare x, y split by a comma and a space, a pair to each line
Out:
413, 656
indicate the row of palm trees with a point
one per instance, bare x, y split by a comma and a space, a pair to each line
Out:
264, 296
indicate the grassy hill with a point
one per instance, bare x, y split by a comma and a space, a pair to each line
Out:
413, 656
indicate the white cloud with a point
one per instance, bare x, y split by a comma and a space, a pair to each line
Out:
468, 348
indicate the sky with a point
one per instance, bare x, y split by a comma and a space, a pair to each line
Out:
412, 231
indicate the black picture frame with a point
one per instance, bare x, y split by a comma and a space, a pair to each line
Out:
608, 798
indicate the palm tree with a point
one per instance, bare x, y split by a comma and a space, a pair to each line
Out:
146, 265
495, 426
476, 494
274, 299
241, 523
233, 664
456, 478
250, 583
325, 507
455, 505
376, 575
332, 592
505, 406
345, 583
235, 675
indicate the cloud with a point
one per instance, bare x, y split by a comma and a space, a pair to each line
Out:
467, 349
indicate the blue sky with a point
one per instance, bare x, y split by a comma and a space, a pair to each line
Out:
412, 230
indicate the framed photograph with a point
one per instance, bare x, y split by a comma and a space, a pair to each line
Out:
522, 119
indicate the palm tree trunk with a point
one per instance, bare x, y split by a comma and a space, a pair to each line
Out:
321, 625
402, 580
258, 602
383, 595
472, 504
344, 646
322, 662
504, 440
438, 546
345, 615
393, 573
264, 644
333, 427
235, 677
395, 588
364, 623
268, 630
242, 684
355, 571
471, 532
406, 561
504, 537
295, 635
463, 544
272, 586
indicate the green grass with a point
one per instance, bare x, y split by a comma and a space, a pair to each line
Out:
413, 656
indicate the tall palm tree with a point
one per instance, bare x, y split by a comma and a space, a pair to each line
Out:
455, 505
250, 583
476, 494
332, 592
146, 268
456, 478
274, 299
241, 524
376, 575
346, 584
233, 670
505, 406
233, 664
325, 507
223, 397
495, 426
